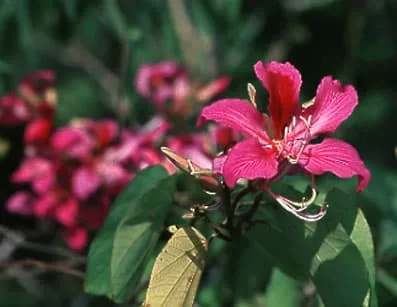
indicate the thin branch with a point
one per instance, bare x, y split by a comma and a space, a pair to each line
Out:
15, 237
44, 265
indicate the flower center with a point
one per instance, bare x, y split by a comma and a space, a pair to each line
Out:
295, 139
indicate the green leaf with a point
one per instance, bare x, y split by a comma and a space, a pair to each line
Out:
282, 291
294, 245
344, 280
137, 235
99, 256
336, 252
355, 266
178, 268
244, 264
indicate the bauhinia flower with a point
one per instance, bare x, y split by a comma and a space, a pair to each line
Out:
169, 87
280, 142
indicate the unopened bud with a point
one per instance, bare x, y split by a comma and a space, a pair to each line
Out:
204, 176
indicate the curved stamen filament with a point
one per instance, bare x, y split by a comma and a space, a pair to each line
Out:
304, 140
297, 208
302, 216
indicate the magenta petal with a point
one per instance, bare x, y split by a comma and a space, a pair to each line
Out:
85, 182
142, 80
66, 213
283, 82
72, 141
237, 114
21, 203
337, 157
45, 205
112, 174
333, 104
76, 238
217, 164
44, 183
249, 160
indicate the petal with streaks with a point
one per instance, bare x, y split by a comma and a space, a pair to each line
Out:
237, 114
249, 160
337, 157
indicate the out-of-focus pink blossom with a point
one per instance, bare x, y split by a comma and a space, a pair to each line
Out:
34, 99
21, 203
37, 171
158, 82
76, 237
76, 172
73, 142
168, 86
13, 110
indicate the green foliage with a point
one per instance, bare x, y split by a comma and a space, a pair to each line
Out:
336, 253
118, 255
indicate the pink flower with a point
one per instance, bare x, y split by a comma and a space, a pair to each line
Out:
21, 203
214, 88
85, 182
13, 110
159, 82
38, 131
73, 142
76, 237
37, 171
292, 127
35, 99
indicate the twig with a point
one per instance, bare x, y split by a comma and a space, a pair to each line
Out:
218, 232
13, 236
45, 265
248, 217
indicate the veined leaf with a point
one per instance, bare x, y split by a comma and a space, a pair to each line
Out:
177, 270
136, 237
98, 270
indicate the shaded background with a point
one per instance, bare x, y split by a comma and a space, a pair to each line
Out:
96, 47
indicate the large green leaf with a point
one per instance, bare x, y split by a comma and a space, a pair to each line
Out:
336, 252
352, 273
245, 265
99, 256
136, 237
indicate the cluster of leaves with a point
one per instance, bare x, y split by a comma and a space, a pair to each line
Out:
334, 256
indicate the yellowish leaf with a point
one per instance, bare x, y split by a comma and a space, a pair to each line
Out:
177, 270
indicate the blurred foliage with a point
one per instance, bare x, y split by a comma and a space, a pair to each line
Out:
96, 47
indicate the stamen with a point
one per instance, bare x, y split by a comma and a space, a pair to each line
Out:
303, 142
308, 104
293, 121
303, 216
252, 94
298, 208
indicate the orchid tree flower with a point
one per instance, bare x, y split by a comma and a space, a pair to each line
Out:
169, 87
277, 143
